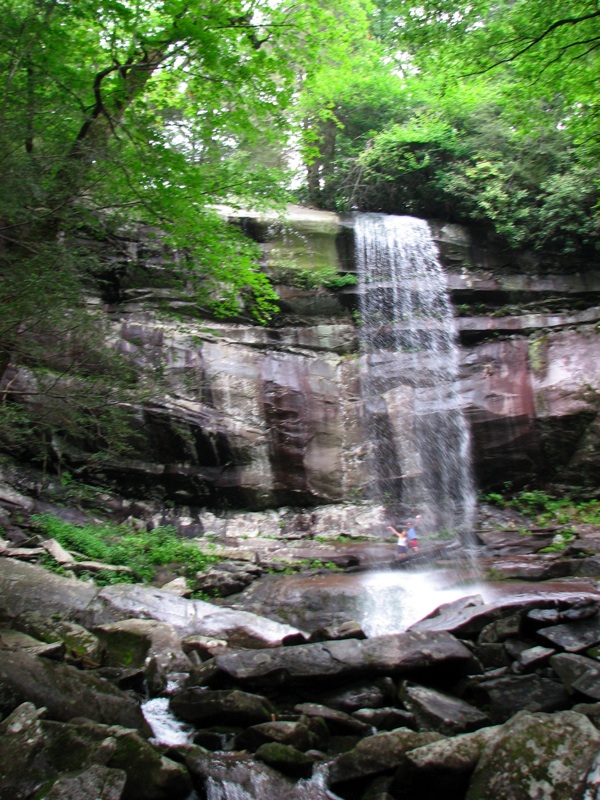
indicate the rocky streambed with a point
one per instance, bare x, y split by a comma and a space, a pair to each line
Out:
487, 697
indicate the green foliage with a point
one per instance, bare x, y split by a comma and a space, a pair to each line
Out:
340, 281
494, 498
473, 112
121, 117
536, 49
528, 191
559, 543
546, 509
144, 552
531, 502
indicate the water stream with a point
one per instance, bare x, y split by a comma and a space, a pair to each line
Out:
418, 440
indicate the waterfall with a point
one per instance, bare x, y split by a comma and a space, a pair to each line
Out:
418, 440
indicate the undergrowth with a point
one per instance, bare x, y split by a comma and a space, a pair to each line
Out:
545, 509
144, 552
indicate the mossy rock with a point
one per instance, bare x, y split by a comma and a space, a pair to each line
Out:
122, 648
555, 753
286, 759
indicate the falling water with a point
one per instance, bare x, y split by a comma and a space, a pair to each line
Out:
417, 435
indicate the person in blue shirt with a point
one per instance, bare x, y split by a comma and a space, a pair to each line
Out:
413, 534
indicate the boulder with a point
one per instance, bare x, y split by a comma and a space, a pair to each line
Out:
468, 621
347, 630
67, 759
16, 640
238, 628
327, 662
515, 543
81, 646
24, 761
531, 567
130, 642
532, 658
386, 719
578, 674
97, 781
150, 775
226, 578
28, 587
537, 755
338, 722
382, 752
436, 711
500, 630
64, 691
445, 762
206, 707
205, 647
587, 567
178, 586
359, 694
542, 617
296, 734
286, 759
502, 696
574, 637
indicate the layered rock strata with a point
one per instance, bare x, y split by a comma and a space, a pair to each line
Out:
271, 418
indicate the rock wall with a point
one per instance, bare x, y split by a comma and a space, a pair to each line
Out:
260, 418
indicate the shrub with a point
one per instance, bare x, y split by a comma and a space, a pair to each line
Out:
144, 552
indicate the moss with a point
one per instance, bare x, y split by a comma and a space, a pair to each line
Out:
286, 759
124, 649
538, 355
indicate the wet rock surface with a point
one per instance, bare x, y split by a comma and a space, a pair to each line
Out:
265, 418
482, 697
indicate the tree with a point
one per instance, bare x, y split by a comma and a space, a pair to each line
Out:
539, 50
475, 112
342, 105
116, 114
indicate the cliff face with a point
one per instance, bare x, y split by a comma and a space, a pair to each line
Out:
259, 418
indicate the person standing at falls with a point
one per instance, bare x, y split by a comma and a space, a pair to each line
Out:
413, 534
402, 548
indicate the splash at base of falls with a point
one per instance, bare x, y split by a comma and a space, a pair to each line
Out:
393, 601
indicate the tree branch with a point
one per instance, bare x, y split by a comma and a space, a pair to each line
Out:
534, 41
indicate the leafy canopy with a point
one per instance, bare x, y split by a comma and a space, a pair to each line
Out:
480, 112
116, 116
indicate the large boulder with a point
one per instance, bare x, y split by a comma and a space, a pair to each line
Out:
329, 662
97, 781
226, 707
554, 756
504, 695
64, 691
238, 628
437, 711
382, 752
109, 762
468, 617
26, 588
445, 762
141, 642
